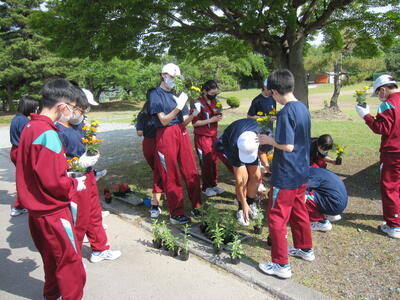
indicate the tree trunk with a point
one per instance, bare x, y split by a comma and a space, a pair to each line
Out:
10, 95
337, 69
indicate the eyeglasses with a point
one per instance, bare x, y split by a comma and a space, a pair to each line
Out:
75, 108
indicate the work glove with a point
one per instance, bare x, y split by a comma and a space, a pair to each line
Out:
81, 183
86, 161
181, 100
362, 112
197, 109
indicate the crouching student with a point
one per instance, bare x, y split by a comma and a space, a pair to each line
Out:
326, 198
319, 152
240, 144
45, 189
86, 203
145, 127
290, 169
26, 106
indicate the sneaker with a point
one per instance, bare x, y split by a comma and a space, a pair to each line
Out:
105, 226
16, 212
321, 226
100, 174
106, 254
209, 192
306, 255
393, 232
155, 212
240, 218
262, 188
218, 190
333, 218
271, 268
254, 211
105, 213
181, 220
196, 213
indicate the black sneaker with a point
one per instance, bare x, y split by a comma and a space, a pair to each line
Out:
196, 213
181, 220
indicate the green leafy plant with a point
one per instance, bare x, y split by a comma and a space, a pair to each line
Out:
361, 96
156, 229
230, 225
213, 217
217, 234
260, 218
185, 238
233, 102
236, 248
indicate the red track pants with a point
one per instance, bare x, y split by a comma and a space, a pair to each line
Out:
13, 157
209, 160
287, 206
175, 156
312, 208
54, 237
149, 150
390, 191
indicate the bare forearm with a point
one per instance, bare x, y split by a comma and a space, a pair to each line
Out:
166, 119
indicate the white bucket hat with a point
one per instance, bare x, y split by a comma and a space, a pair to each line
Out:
90, 97
171, 69
382, 80
248, 147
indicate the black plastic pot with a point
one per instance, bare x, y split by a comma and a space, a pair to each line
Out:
203, 227
157, 244
183, 255
173, 252
235, 260
257, 229
338, 161
217, 250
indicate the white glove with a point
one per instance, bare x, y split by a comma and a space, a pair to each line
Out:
197, 109
362, 112
181, 100
81, 183
86, 161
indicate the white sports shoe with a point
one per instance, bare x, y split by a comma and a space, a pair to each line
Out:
155, 212
209, 192
105, 226
104, 255
393, 232
271, 268
16, 212
309, 255
105, 213
262, 188
254, 211
218, 190
333, 218
321, 226
100, 174
240, 218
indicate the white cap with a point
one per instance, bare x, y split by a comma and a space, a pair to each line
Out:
90, 97
248, 147
382, 80
171, 69
266, 82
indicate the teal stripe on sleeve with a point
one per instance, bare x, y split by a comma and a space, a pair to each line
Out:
50, 140
385, 106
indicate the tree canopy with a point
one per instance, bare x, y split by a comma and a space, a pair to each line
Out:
278, 29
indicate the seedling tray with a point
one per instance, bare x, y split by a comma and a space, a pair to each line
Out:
130, 198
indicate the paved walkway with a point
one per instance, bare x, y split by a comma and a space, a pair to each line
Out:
141, 273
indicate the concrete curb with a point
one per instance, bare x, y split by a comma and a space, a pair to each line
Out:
246, 270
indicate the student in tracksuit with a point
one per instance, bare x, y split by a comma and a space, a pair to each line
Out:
319, 151
387, 124
26, 106
326, 198
87, 204
205, 133
290, 170
240, 144
45, 190
145, 126
173, 146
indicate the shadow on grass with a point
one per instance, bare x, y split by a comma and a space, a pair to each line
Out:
364, 184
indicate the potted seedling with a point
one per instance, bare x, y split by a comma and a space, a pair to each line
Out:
236, 250
217, 235
156, 229
259, 222
203, 223
165, 233
212, 219
184, 250
171, 244
230, 228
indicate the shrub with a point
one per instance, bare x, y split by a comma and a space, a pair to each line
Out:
233, 102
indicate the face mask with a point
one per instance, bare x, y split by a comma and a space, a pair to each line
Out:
76, 120
211, 97
64, 118
324, 153
382, 99
169, 83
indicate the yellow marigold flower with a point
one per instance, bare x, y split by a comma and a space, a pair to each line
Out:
85, 141
360, 92
69, 161
218, 104
97, 122
269, 156
366, 87
85, 127
75, 158
260, 113
195, 88
93, 123
259, 119
93, 128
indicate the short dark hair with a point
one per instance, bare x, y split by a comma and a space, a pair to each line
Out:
390, 86
81, 101
27, 105
325, 141
282, 81
209, 85
58, 90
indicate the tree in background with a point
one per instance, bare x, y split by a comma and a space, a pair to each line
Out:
392, 60
278, 29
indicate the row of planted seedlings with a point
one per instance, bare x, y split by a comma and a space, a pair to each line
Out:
164, 238
221, 229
